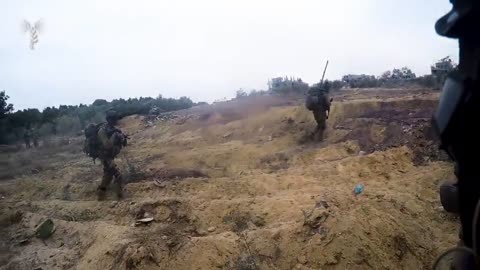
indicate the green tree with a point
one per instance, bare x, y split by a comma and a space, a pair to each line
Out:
5, 108
50, 114
100, 102
241, 93
25, 118
85, 114
337, 84
69, 125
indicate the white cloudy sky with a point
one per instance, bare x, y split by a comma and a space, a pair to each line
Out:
205, 49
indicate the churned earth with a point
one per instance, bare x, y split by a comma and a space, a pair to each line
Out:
240, 185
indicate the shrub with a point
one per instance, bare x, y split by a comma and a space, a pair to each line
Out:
241, 93
68, 125
46, 129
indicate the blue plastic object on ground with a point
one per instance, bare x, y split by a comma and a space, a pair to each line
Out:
358, 189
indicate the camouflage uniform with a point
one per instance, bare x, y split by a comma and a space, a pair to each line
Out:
110, 171
320, 115
320, 111
112, 140
26, 137
35, 137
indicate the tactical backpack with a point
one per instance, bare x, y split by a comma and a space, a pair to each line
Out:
103, 141
92, 145
311, 102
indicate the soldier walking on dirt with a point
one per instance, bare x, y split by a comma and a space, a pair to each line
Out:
104, 141
35, 137
319, 103
27, 136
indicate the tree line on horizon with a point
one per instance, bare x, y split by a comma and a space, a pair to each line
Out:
396, 78
72, 119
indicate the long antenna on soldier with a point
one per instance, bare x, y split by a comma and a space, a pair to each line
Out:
323, 76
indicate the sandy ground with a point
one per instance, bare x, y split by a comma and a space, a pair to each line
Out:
240, 185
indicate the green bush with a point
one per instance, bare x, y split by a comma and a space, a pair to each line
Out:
241, 93
68, 125
46, 129
99, 117
337, 84
427, 81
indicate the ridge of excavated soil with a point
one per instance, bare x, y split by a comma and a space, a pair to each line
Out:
240, 185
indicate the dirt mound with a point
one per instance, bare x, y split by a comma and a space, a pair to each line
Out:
229, 111
177, 173
238, 191
392, 124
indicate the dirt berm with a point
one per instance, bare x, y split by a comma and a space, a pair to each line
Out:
240, 185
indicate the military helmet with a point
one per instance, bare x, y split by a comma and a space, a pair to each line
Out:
111, 116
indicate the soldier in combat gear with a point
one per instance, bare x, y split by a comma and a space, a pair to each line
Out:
319, 104
104, 141
35, 137
27, 137
317, 101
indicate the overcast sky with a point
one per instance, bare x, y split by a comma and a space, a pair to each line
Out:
205, 49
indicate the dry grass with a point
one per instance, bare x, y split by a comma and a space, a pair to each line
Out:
37, 160
9, 217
